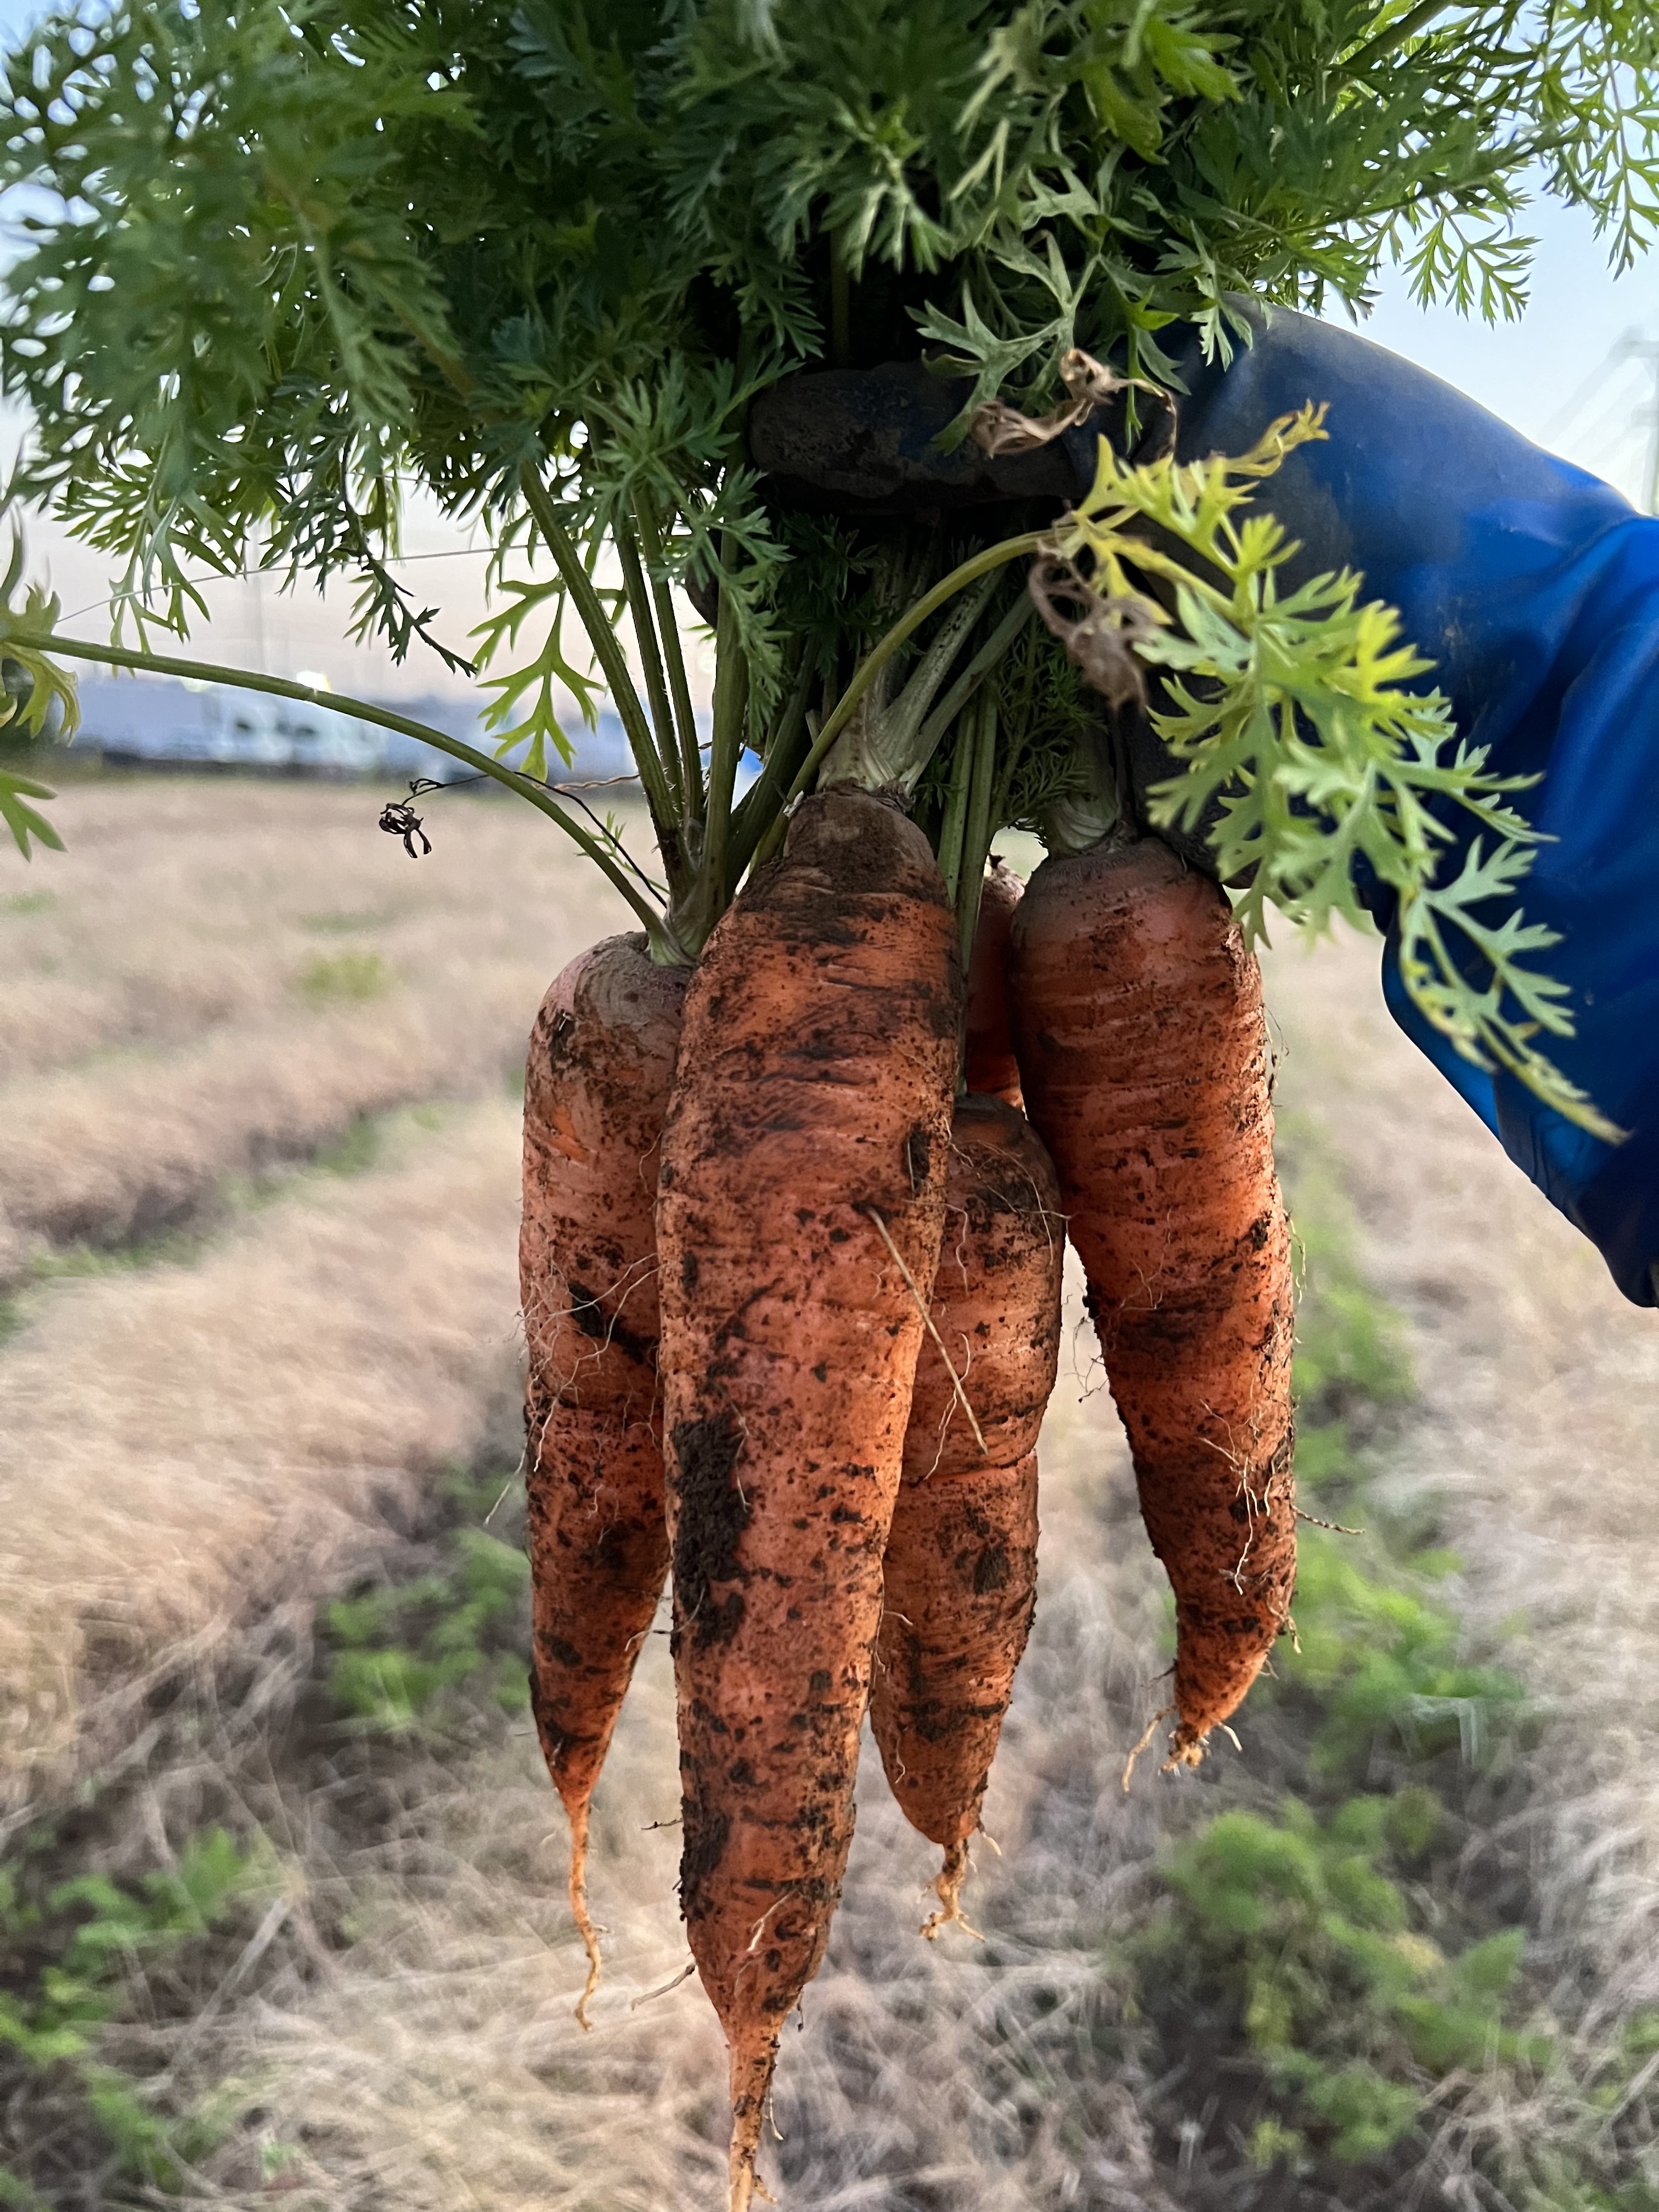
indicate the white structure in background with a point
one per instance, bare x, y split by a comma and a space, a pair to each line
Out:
154, 720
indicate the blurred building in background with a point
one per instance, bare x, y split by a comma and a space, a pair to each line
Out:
152, 721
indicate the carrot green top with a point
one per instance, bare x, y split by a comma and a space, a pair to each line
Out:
280, 261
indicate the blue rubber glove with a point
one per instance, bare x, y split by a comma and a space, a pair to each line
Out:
1534, 589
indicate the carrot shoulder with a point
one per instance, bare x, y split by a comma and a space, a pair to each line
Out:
1144, 1050
802, 1181
600, 1063
960, 1572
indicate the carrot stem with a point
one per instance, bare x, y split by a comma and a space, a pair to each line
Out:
607, 646
664, 775
976, 830
968, 572
956, 817
888, 751
762, 802
685, 725
707, 897
385, 718
967, 683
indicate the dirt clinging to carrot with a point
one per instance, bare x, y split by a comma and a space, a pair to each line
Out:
600, 1065
810, 1124
1143, 1052
960, 1572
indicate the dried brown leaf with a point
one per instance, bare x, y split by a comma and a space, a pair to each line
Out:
1100, 638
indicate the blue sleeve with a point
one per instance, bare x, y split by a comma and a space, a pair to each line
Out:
1535, 591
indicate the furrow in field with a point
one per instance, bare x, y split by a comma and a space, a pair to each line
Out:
186, 1445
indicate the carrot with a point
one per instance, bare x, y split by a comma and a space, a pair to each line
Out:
960, 1574
1144, 1050
798, 1225
991, 1068
596, 1083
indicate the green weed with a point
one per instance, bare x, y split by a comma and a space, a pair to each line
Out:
354, 1151
1322, 1936
21, 902
344, 977
175, 1247
1302, 1924
400, 1650
71, 1952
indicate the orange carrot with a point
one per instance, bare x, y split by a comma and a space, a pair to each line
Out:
988, 1059
1144, 1050
960, 1573
596, 1083
798, 1225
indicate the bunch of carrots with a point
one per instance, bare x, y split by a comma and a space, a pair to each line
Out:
802, 1154
801, 1157
794, 1225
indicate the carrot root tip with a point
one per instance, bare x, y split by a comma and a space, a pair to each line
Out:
752, 2093
947, 1887
577, 1894
746, 2184
1188, 1747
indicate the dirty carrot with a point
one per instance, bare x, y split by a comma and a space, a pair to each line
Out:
960, 1572
600, 1063
991, 1068
810, 1124
1143, 1052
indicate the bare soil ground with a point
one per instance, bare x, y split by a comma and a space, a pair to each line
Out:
205, 1439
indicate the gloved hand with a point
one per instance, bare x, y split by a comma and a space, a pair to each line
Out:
1534, 589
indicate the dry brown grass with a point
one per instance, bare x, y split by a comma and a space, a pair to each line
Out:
196, 1440
184, 1445
183, 1011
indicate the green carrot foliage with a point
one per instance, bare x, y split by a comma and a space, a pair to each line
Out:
280, 261
1291, 720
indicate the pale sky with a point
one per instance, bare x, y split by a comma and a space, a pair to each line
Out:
1563, 376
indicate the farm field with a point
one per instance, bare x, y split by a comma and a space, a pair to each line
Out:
261, 1600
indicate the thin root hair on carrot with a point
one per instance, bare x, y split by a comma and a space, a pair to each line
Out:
921, 1307
755, 1935
664, 1988
1188, 1747
576, 1886
1162, 1714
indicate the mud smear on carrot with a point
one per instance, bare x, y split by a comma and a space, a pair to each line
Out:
600, 1063
1144, 1048
814, 1096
